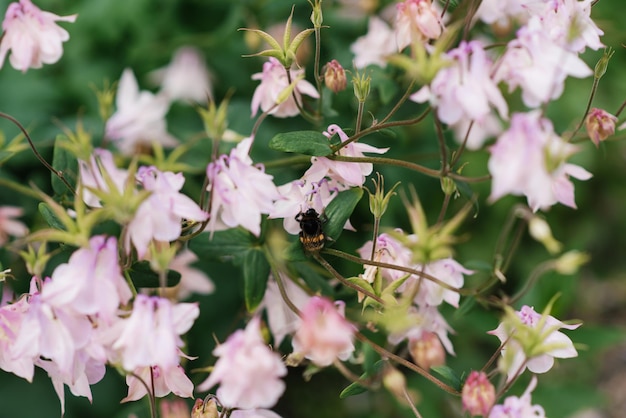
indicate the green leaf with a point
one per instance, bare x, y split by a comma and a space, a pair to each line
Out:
50, 217
466, 306
448, 376
256, 271
466, 191
339, 210
143, 276
355, 388
229, 245
66, 164
315, 281
304, 142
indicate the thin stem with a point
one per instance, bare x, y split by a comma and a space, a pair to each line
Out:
303, 112
443, 151
457, 154
444, 208
403, 99
594, 88
534, 276
621, 108
37, 154
409, 401
152, 403
411, 366
359, 117
316, 68
345, 282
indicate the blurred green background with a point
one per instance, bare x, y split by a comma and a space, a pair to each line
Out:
110, 35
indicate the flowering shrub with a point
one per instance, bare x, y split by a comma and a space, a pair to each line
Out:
392, 295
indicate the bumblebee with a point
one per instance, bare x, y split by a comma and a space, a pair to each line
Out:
312, 235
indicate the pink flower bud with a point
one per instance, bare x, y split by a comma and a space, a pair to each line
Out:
204, 410
335, 76
427, 351
600, 125
478, 394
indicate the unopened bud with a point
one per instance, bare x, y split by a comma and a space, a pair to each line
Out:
427, 351
448, 186
317, 18
570, 262
335, 76
478, 395
174, 408
203, 409
361, 84
600, 125
394, 382
603, 63
540, 230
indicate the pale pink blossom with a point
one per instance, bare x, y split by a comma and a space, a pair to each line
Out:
32, 36
254, 413
165, 381
299, 196
96, 174
139, 119
11, 318
416, 21
192, 280
185, 78
375, 46
324, 335
554, 345
428, 319
344, 174
388, 250
9, 226
519, 407
159, 217
501, 12
530, 159
481, 130
241, 192
538, 65
151, 335
569, 24
247, 370
281, 319
464, 90
274, 82
447, 270
427, 350
91, 282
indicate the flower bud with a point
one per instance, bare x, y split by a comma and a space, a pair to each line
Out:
317, 18
478, 395
361, 84
448, 186
540, 230
600, 125
335, 76
203, 409
603, 63
427, 351
570, 262
394, 382
174, 408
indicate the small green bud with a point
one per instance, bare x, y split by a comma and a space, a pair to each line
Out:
570, 262
448, 186
361, 84
603, 63
540, 230
379, 200
317, 18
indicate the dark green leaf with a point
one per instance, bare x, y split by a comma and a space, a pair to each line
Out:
50, 217
143, 276
315, 281
303, 142
448, 376
230, 245
466, 306
355, 388
66, 164
256, 271
339, 210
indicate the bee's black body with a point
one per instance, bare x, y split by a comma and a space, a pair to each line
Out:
311, 235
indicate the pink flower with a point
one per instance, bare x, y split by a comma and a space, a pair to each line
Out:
281, 319
600, 125
538, 64
10, 226
482, 129
159, 217
32, 36
529, 159
11, 318
464, 91
170, 380
372, 48
274, 81
247, 370
95, 172
140, 117
388, 250
186, 77
501, 11
416, 21
532, 333
478, 394
427, 350
91, 282
299, 196
428, 320
446, 270
324, 334
344, 174
521, 407
240, 191
254, 413
192, 280
570, 26
151, 335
